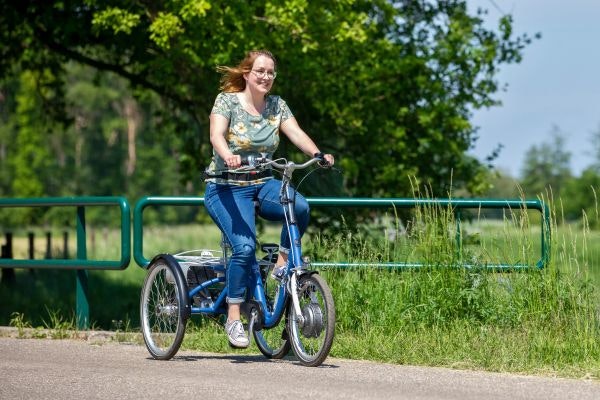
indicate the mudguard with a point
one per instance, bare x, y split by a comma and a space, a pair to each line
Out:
177, 275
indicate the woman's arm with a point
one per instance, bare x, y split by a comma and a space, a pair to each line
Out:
219, 125
301, 140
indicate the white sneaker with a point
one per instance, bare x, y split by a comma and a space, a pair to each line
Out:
236, 334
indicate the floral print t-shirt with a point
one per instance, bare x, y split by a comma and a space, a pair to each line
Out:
248, 134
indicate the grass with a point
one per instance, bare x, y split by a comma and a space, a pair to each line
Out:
526, 322
533, 321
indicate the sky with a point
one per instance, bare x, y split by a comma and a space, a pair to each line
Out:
557, 84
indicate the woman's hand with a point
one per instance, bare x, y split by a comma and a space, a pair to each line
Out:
233, 161
326, 160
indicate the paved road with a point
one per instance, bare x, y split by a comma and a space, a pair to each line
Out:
78, 369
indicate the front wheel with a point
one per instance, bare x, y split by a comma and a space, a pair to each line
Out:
163, 308
274, 342
311, 336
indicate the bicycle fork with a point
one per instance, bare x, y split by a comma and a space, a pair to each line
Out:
296, 261
295, 301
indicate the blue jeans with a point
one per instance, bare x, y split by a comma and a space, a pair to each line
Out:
233, 208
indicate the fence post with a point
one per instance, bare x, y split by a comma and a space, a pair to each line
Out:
48, 245
30, 239
65, 245
8, 274
82, 291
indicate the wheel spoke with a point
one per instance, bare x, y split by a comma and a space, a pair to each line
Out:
312, 335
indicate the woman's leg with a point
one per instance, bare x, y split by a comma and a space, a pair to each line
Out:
232, 209
271, 209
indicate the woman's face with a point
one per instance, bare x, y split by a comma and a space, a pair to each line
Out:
261, 78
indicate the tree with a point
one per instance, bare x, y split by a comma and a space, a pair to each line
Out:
580, 195
386, 85
31, 163
117, 146
503, 186
595, 149
7, 132
546, 167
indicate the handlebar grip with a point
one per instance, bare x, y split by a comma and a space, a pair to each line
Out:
323, 162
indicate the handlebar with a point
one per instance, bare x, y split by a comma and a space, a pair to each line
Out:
263, 161
287, 169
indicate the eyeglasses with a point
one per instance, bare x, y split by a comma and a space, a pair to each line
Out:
262, 74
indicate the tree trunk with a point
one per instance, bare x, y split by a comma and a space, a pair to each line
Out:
132, 115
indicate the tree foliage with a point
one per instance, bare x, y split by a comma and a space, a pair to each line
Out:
546, 167
580, 197
388, 86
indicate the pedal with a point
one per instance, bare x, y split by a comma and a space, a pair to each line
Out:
250, 307
271, 249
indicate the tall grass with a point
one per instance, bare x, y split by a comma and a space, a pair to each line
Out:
455, 312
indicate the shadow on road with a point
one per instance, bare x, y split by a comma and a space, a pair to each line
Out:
242, 359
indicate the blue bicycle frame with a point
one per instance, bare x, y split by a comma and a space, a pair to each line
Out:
180, 285
271, 317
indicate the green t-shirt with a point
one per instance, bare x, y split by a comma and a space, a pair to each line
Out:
248, 134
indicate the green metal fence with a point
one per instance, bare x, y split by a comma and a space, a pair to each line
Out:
81, 263
455, 205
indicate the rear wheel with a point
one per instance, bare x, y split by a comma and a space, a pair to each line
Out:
311, 336
163, 311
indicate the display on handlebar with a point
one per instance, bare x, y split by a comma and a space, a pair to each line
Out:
253, 161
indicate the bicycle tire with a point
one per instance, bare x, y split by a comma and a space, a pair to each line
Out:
273, 343
312, 340
164, 307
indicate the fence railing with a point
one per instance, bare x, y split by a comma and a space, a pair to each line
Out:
81, 263
455, 205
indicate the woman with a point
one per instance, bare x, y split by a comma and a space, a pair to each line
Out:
246, 120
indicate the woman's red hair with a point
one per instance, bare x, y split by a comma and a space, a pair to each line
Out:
233, 77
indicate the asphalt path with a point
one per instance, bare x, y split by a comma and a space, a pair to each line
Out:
88, 369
